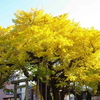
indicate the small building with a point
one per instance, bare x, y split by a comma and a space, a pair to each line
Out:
6, 94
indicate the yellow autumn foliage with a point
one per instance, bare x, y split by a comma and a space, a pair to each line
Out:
52, 37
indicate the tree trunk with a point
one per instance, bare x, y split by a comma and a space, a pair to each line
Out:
42, 90
55, 90
56, 95
62, 96
98, 89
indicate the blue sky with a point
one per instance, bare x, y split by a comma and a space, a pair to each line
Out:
9, 7
84, 11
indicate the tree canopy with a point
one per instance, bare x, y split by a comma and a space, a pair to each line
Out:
54, 48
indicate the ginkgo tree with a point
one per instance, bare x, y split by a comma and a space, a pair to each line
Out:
6, 71
41, 38
86, 57
55, 49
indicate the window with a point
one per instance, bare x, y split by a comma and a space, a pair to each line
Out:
9, 93
20, 89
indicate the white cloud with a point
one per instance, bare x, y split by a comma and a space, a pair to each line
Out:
84, 11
